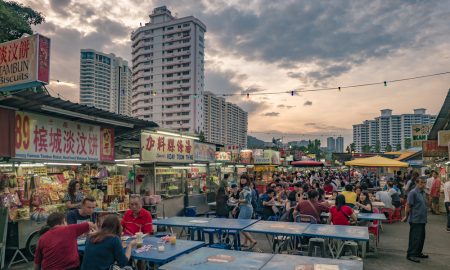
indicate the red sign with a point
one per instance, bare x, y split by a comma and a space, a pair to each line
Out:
107, 144
431, 148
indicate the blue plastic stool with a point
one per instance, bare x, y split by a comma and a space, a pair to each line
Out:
236, 239
220, 246
190, 211
211, 233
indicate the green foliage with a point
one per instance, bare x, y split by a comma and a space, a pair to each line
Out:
366, 149
407, 143
16, 20
388, 148
398, 147
201, 136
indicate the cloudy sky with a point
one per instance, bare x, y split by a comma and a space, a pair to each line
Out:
270, 46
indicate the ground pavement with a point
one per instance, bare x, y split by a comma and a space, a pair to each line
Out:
392, 248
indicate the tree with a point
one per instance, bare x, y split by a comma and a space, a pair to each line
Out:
398, 147
201, 137
388, 148
16, 20
407, 143
366, 148
377, 147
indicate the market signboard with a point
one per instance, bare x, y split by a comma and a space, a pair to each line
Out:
430, 148
259, 157
39, 137
163, 148
420, 133
204, 152
223, 156
443, 137
246, 156
24, 62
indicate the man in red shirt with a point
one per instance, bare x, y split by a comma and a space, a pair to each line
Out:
311, 206
57, 247
136, 219
435, 193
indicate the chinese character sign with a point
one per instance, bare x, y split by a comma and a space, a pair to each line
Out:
107, 144
55, 139
204, 152
162, 148
24, 62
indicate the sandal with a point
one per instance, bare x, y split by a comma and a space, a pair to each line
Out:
253, 245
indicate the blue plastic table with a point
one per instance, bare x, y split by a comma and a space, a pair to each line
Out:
291, 262
287, 229
352, 233
171, 251
203, 259
224, 224
371, 216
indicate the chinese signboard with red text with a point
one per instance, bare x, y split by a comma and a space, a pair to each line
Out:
47, 138
24, 62
223, 156
431, 148
162, 148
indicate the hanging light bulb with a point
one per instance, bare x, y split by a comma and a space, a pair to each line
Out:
153, 93
292, 93
385, 83
248, 95
339, 88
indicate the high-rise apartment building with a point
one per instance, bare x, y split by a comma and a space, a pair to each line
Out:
224, 122
168, 71
339, 145
105, 82
331, 144
388, 131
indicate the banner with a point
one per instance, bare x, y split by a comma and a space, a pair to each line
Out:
24, 62
107, 144
431, 148
223, 156
204, 152
163, 148
419, 134
246, 157
259, 158
47, 138
443, 138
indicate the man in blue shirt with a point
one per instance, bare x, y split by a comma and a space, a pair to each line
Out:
84, 214
416, 215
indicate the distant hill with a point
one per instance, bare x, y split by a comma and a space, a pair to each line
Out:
253, 142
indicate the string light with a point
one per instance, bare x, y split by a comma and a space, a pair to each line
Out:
339, 88
248, 96
292, 93
385, 83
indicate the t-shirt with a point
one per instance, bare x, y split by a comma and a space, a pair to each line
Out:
57, 249
267, 209
418, 207
350, 196
435, 188
342, 216
384, 197
292, 197
100, 256
74, 217
447, 191
428, 185
306, 207
142, 223
73, 199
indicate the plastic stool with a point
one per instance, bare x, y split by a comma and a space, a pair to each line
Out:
211, 213
220, 246
211, 233
314, 244
236, 238
349, 245
192, 231
190, 211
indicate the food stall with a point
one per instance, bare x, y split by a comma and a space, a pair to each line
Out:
265, 165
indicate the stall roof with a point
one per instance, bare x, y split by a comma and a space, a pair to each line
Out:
41, 103
442, 120
376, 161
307, 163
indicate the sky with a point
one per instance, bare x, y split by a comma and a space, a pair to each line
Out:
258, 46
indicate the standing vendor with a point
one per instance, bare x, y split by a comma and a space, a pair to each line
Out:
74, 196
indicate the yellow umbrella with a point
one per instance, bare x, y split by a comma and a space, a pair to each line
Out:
376, 161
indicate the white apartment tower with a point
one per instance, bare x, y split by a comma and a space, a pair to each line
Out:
224, 122
388, 130
105, 82
168, 71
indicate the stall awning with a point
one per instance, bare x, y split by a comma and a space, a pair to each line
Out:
307, 163
376, 161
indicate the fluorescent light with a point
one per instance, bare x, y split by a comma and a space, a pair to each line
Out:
5, 165
197, 165
240, 166
25, 165
63, 164
85, 116
180, 167
177, 135
126, 159
123, 165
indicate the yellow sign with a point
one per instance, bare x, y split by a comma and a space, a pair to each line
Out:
163, 148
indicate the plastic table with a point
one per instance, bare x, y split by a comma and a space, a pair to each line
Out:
291, 262
352, 233
158, 258
219, 259
371, 216
288, 230
224, 224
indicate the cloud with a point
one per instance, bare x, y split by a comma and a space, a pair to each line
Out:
60, 6
282, 106
307, 103
271, 114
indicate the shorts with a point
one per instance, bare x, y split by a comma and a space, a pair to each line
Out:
245, 212
435, 200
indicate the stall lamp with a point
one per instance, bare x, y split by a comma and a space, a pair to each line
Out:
62, 164
26, 165
197, 165
180, 167
240, 166
122, 165
126, 160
